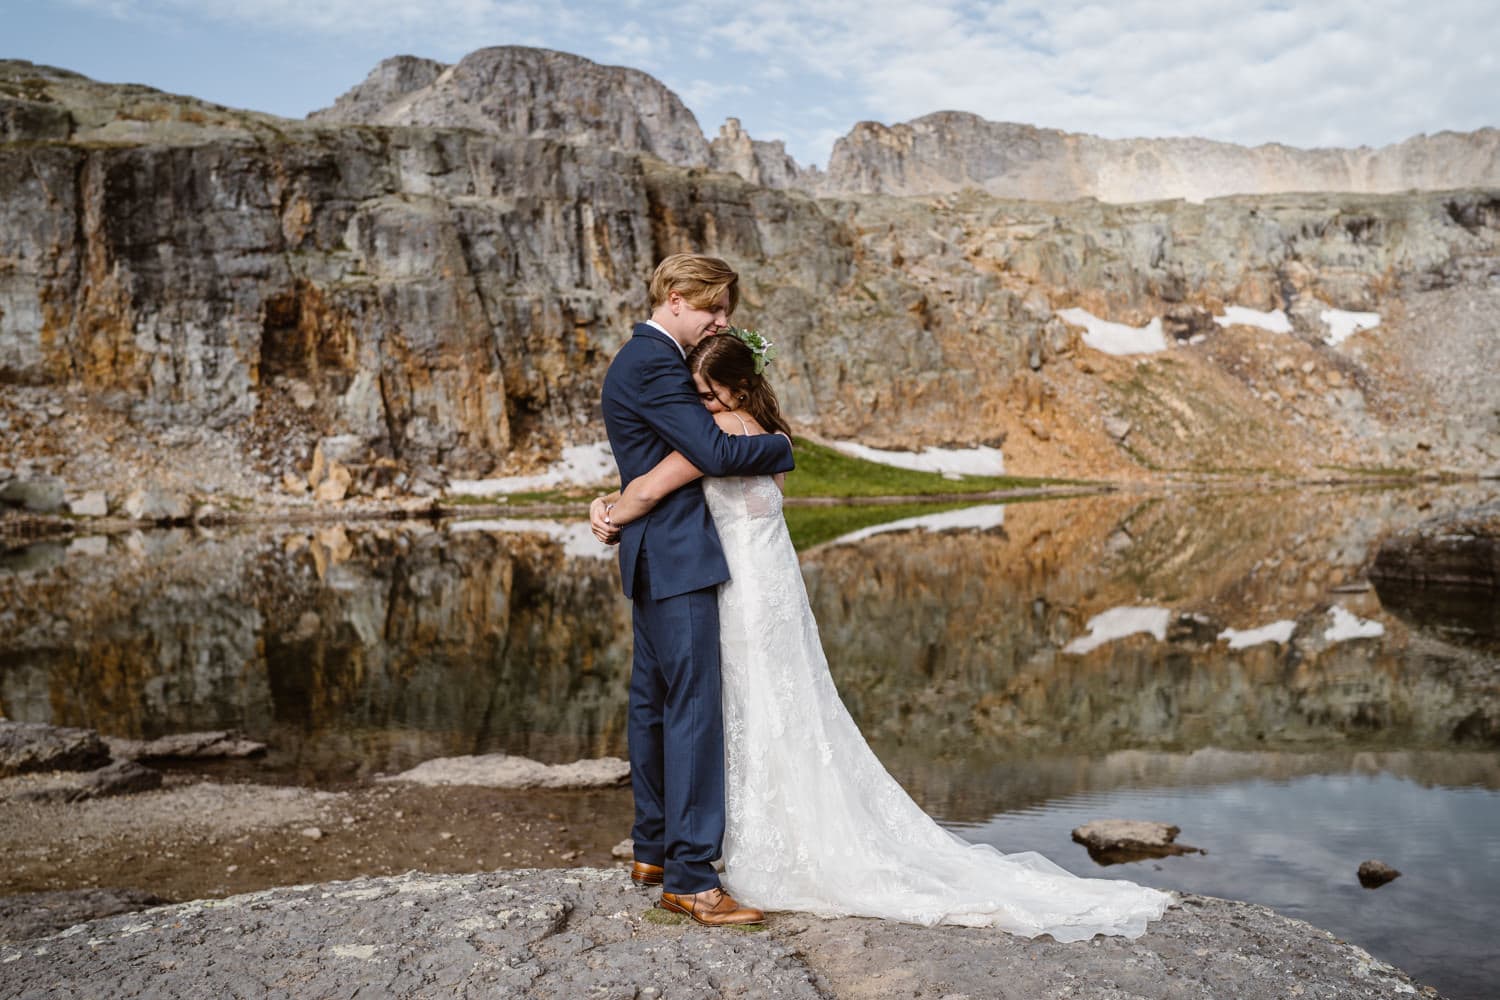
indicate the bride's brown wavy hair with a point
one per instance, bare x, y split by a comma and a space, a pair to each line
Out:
727, 360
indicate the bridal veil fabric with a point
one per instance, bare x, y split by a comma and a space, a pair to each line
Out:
815, 823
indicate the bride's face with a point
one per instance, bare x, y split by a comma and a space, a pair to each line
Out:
715, 395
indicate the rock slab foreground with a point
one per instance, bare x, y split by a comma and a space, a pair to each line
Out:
587, 932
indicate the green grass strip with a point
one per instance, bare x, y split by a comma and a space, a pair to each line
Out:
824, 472
821, 472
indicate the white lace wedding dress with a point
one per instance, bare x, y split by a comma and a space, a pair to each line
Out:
815, 823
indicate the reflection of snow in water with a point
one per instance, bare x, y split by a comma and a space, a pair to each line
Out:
1115, 338
977, 461
581, 464
1343, 325
1119, 622
973, 518
1347, 626
578, 541
1116, 623
1274, 321
1275, 632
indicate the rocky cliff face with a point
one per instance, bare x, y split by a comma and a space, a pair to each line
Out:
312, 279
952, 151
442, 299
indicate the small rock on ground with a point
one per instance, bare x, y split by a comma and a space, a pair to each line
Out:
153, 504
40, 496
120, 777
27, 747
186, 746
91, 504
500, 770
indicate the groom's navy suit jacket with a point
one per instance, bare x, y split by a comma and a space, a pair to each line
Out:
651, 408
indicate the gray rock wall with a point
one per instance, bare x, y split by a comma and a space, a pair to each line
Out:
950, 151
410, 285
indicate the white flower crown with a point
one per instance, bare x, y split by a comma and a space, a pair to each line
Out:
763, 349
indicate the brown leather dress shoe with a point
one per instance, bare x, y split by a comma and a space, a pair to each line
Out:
644, 874
712, 908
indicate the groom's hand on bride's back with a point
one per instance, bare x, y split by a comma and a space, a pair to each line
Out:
602, 529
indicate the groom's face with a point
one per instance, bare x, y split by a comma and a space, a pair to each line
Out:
695, 323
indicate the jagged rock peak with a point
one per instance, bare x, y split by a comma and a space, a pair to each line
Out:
759, 162
949, 151
529, 92
387, 83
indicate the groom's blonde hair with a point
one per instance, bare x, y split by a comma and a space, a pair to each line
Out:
698, 279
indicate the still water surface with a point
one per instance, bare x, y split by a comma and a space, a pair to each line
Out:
975, 650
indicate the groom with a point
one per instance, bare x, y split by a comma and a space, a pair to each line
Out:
671, 565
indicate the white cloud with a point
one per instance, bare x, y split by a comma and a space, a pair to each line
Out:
456, 21
630, 44
1306, 74
696, 93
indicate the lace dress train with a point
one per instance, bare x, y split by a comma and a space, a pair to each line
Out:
815, 823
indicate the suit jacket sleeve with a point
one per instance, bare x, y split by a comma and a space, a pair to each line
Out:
670, 404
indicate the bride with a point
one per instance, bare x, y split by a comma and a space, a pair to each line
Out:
814, 821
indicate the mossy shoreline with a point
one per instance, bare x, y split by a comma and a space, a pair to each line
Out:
829, 494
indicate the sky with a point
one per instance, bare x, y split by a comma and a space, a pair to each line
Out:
1327, 73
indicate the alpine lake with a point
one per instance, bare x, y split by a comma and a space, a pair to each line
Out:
1213, 659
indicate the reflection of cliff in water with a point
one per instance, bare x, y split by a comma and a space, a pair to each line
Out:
350, 649
953, 641
368, 648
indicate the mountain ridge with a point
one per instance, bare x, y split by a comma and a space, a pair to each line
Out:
936, 153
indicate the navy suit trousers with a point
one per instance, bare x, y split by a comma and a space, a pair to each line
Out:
676, 734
